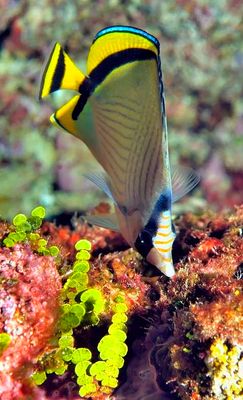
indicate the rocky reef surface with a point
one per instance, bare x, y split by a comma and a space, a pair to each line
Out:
201, 54
83, 316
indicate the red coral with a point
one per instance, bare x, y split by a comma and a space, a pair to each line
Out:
216, 257
65, 238
207, 248
115, 274
223, 318
29, 304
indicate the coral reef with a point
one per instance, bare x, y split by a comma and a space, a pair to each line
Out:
68, 319
56, 313
201, 357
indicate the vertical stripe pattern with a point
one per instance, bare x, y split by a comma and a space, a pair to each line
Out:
164, 238
129, 131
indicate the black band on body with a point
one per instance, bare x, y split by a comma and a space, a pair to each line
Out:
102, 70
79, 106
162, 204
118, 59
85, 89
144, 243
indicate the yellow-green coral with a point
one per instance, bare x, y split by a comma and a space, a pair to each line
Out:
5, 340
82, 305
102, 375
224, 364
23, 230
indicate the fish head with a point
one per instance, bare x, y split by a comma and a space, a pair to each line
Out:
152, 252
162, 261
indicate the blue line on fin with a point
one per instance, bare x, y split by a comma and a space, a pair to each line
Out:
130, 29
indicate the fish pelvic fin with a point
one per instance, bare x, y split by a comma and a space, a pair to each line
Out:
107, 221
183, 181
101, 180
60, 73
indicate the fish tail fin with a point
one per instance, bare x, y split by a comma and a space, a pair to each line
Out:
60, 73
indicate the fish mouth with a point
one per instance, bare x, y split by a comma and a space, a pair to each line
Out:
164, 264
168, 270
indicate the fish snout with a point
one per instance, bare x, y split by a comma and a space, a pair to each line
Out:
162, 262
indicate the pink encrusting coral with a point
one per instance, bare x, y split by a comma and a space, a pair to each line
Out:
29, 304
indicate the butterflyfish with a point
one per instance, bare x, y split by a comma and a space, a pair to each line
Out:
118, 111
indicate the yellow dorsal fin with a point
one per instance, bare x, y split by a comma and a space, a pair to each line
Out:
60, 73
113, 43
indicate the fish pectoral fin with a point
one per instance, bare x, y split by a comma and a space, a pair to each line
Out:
108, 221
60, 73
101, 180
183, 181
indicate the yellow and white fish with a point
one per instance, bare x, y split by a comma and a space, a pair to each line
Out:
119, 113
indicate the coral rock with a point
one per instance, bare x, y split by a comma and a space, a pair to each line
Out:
29, 304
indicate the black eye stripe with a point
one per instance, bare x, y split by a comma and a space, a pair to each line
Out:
144, 243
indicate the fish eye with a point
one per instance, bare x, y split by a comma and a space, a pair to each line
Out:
144, 243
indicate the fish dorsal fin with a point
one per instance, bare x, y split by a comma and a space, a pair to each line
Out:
108, 221
101, 180
60, 73
183, 181
115, 39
